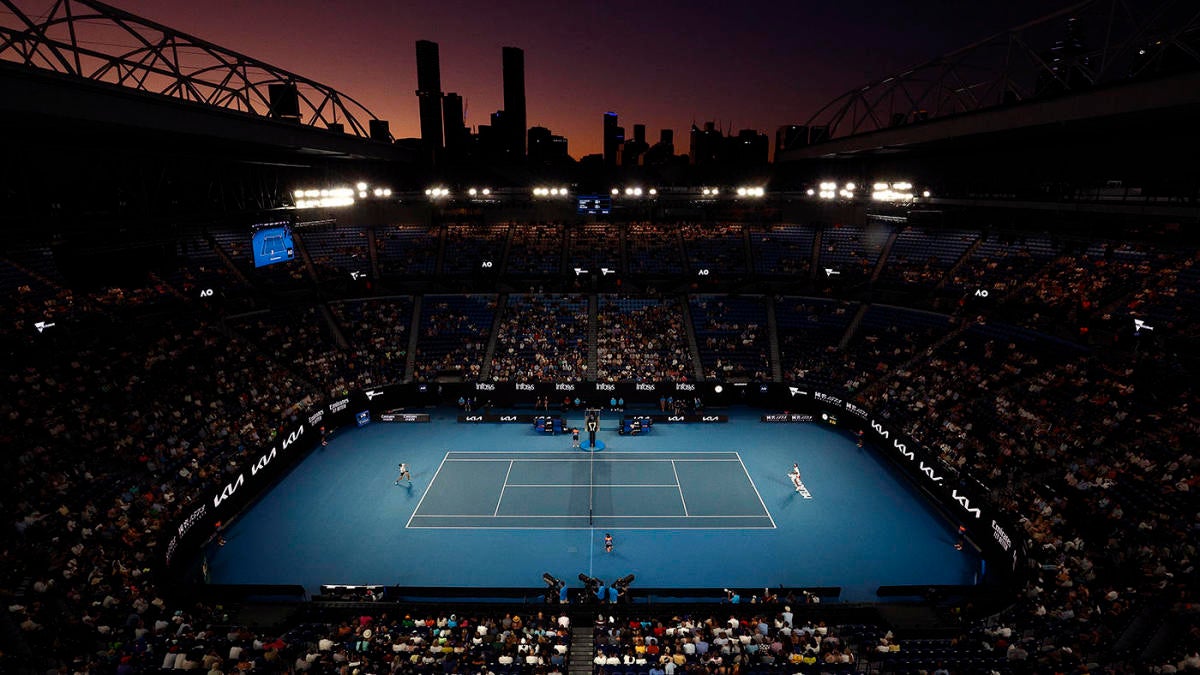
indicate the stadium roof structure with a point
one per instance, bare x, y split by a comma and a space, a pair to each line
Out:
101, 43
1092, 48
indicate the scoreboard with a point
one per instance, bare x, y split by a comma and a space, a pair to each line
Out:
593, 205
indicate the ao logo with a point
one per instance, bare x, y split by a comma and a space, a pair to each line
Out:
206, 293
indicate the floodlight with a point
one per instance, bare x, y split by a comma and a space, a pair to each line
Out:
809, 192
361, 186
486, 192
653, 191
741, 192
850, 186
616, 191
925, 193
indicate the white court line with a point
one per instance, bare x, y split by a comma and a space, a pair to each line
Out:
576, 452
615, 459
555, 527
583, 485
502, 489
484, 515
678, 485
760, 499
446, 458
422, 499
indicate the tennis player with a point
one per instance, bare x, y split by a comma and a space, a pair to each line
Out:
404, 474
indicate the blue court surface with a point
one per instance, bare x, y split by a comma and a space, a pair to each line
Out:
621, 490
688, 506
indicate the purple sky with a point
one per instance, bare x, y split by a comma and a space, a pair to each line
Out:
749, 64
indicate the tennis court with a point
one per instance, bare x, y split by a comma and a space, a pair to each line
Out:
498, 505
572, 490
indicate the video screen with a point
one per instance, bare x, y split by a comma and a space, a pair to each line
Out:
272, 243
594, 205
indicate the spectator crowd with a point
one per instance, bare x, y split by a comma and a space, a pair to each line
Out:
139, 399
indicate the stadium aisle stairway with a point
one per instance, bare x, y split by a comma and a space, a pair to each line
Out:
583, 644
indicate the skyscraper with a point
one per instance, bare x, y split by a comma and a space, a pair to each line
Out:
664, 150
790, 137
706, 144
633, 150
546, 149
612, 138
456, 129
749, 148
429, 97
514, 102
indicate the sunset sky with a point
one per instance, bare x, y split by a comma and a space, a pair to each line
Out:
749, 64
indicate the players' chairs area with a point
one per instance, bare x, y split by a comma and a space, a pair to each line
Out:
550, 425
633, 425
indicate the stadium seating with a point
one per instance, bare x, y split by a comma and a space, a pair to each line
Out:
407, 250
731, 333
642, 339
147, 395
785, 250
